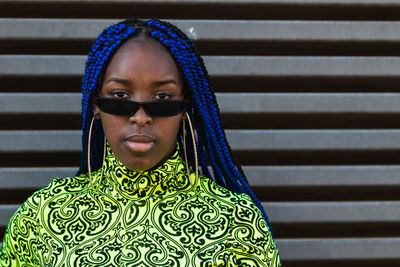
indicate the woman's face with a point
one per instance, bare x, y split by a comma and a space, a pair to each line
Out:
141, 70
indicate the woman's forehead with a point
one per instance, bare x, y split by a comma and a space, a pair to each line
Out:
142, 56
144, 60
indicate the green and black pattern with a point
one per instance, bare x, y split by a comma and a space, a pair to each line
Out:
138, 218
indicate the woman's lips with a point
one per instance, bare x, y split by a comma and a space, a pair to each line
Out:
139, 143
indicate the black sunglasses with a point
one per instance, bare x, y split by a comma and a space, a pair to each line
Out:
125, 107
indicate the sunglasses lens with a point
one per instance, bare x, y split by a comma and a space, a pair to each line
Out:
120, 107
165, 108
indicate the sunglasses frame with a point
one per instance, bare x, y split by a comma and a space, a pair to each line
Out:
145, 105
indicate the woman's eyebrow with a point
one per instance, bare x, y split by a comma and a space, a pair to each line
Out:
158, 83
118, 80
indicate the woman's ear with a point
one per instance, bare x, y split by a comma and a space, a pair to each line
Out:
95, 107
184, 116
185, 111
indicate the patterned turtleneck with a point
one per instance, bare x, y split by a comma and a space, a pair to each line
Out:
138, 218
160, 180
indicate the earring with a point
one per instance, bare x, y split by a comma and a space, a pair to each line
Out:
88, 153
194, 148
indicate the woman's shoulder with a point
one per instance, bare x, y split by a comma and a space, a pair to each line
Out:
212, 188
59, 185
241, 203
69, 184
243, 208
248, 230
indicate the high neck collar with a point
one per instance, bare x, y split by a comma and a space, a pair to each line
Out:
167, 176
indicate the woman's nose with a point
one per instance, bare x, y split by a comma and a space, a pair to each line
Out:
141, 118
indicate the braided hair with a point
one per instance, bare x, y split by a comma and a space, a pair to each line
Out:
213, 147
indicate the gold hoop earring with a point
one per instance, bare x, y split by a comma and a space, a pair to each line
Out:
88, 153
194, 148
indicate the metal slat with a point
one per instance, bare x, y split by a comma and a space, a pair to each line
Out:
305, 212
333, 212
315, 139
137, 1
6, 211
293, 176
22, 65
315, 102
55, 103
27, 178
40, 103
209, 30
252, 66
284, 176
240, 140
303, 66
339, 248
40, 141
219, 2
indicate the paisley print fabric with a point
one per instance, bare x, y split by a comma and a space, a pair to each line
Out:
138, 218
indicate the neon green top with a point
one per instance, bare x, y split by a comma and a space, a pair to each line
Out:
138, 218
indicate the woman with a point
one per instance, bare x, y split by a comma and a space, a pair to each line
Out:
147, 204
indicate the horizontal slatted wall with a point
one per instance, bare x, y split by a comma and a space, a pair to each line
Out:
315, 119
